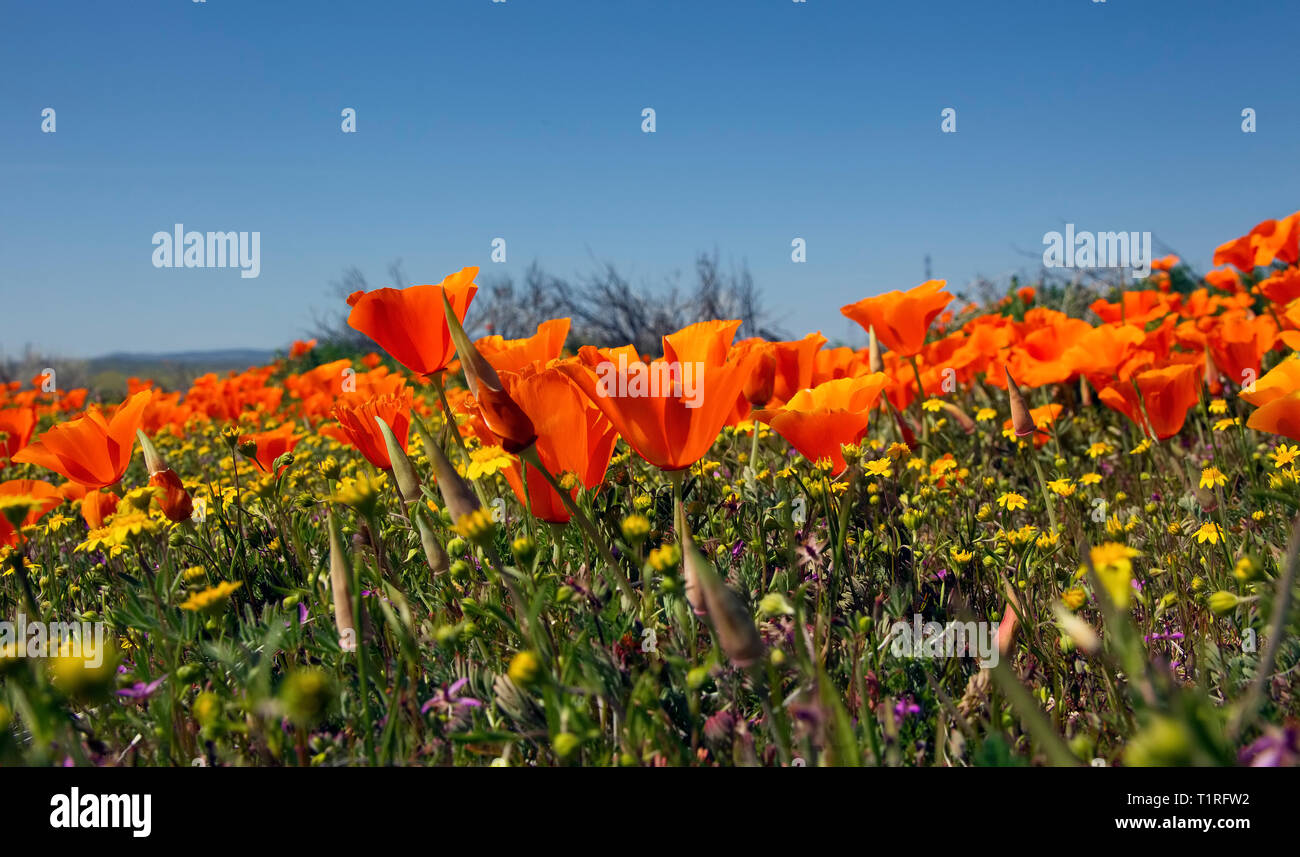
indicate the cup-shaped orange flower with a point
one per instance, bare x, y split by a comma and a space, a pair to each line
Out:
33, 498
265, 447
410, 324
98, 505
16, 427
90, 450
573, 437
670, 410
358, 428
515, 355
901, 319
819, 420
1160, 400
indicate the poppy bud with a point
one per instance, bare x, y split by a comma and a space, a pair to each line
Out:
407, 482
340, 581
153, 462
456, 495
762, 380
1009, 625
1021, 421
503, 416
963, 419
731, 619
875, 362
172, 497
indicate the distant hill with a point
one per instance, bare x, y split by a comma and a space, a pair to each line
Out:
174, 370
233, 358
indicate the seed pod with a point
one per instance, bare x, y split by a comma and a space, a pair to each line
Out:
341, 583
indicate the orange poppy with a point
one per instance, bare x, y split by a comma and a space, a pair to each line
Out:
819, 420
270, 445
410, 323
1279, 416
98, 505
301, 348
90, 450
1269, 240
901, 319
45, 495
671, 410
357, 425
1282, 379
573, 436
1162, 397
514, 355
16, 427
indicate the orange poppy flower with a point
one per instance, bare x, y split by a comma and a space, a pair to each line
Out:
1279, 416
1269, 240
901, 319
1238, 344
45, 495
671, 410
819, 420
514, 355
98, 505
410, 323
90, 450
1166, 394
1282, 379
357, 425
16, 427
270, 445
301, 348
573, 436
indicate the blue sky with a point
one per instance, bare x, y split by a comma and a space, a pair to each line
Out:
522, 120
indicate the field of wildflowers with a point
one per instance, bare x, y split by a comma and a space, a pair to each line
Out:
999, 535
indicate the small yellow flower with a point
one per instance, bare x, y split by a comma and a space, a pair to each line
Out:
665, 557
932, 405
1218, 406
1113, 564
1226, 423
1090, 479
984, 415
477, 526
960, 556
878, 467
487, 460
635, 528
1212, 477
1061, 487
1012, 501
1100, 448
1074, 598
1284, 455
1209, 532
1141, 447
898, 450
211, 600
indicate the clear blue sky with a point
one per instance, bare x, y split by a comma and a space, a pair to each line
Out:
522, 120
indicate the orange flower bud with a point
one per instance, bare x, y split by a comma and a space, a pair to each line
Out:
1021, 421
174, 499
